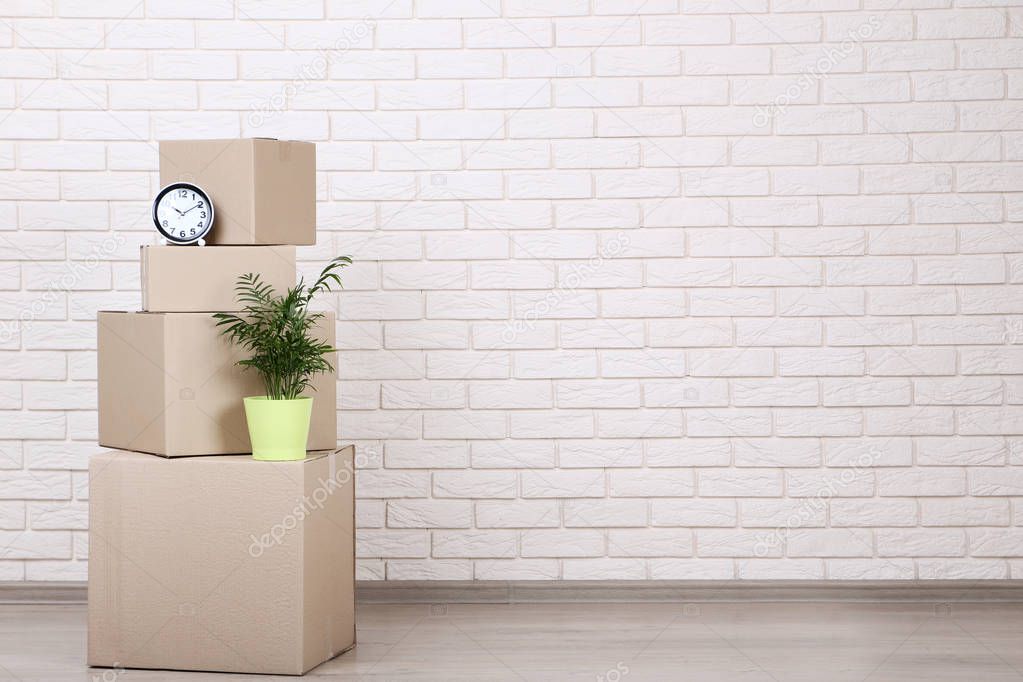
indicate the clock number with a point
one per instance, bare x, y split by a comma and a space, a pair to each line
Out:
183, 193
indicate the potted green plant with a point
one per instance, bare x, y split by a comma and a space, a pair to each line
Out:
276, 331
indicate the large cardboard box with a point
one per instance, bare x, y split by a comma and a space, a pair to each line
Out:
169, 385
220, 563
263, 190
202, 279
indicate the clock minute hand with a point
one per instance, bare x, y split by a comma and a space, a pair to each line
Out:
193, 208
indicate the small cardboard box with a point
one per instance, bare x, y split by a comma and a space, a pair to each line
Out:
263, 190
169, 385
200, 279
223, 564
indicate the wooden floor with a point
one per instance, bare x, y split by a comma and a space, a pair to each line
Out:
604, 642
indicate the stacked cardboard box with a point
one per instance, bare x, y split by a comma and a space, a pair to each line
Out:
202, 558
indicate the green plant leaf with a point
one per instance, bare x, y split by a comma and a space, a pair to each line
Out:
276, 330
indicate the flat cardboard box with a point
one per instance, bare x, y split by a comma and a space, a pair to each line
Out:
169, 385
190, 279
263, 190
223, 564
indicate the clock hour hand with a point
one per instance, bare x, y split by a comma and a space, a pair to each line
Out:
179, 212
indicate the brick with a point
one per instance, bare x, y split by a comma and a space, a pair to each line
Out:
646, 423
517, 514
498, 454
508, 33
871, 512
571, 483
685, 393
516, 569
592, 453
740, 483
590, 394
562, 543
922, 481
908, 421
871, 569
557, 62
781, 452
921, 542
818, 422
637, 61
474, 543
866, 392
868, 452
735, 543
829, 542
975, 450
995, 542
43, 544
910, 361
745, 422
426, 455
826, 484
767, 513
458, 424
777, 332
35, 485
605, 513
964, 512
476, 484
642, 363
652, 483
773, 392
429, 514
556, 424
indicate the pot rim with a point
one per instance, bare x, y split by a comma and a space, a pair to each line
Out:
278, 400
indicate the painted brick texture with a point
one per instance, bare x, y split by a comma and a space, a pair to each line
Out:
643, 290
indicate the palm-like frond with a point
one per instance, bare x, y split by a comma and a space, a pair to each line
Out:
276, 330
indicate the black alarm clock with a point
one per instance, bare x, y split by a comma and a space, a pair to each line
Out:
183, 213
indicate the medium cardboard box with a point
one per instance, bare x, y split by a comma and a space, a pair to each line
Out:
201, 279
169, 385
263, 190
220, 563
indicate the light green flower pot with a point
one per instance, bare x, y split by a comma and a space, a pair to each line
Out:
278, 429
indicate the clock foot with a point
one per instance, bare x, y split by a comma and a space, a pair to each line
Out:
201, 242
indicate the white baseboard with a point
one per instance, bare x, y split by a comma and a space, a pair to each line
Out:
673, 591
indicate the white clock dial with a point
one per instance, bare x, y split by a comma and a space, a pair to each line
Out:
183, 213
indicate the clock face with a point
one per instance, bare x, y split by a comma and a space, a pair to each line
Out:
183, 213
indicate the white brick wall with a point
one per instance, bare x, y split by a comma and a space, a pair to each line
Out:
664, 289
